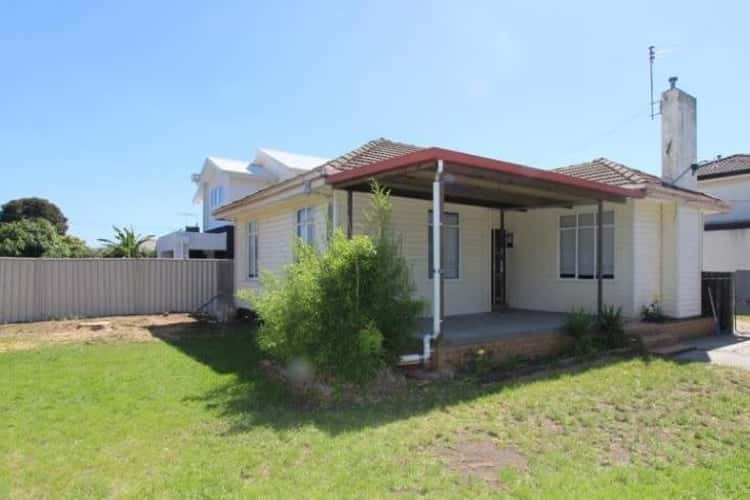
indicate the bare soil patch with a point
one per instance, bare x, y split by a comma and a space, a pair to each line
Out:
483, 459
27, 336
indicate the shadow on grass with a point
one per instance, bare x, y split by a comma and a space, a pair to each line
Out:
251, 400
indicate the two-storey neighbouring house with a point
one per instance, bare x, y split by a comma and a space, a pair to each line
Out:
726, 242
222, 181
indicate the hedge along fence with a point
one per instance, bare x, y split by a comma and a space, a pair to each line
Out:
41, 289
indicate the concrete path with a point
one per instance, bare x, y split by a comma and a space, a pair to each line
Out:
728, 350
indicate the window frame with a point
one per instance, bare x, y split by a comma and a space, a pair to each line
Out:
605, 225
308, 220
252, 245
216, 196
459, 233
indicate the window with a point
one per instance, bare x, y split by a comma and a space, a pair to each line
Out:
252, 250
216, 196
578, 246
306, 225
450, 248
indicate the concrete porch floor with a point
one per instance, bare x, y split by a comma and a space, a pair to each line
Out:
482, 327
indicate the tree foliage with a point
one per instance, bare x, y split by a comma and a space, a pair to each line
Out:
346, 310
38, 238
34, 208
126, 243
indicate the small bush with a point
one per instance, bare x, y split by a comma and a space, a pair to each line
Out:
579, 324
348, 310
612, 327
653, 313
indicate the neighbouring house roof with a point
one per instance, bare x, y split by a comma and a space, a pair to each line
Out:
237, 166
229, 164
725, 167
295, 161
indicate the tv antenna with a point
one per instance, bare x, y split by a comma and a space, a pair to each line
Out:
651, 57
652, 53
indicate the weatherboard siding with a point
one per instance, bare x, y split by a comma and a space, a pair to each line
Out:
642, 253
533, 263
646, 253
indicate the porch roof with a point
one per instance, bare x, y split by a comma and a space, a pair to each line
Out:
476, 180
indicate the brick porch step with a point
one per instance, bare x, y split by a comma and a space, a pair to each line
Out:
658, 340
670, 350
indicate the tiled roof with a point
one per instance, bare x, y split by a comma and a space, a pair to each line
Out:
369, 153
608, 172
721, 167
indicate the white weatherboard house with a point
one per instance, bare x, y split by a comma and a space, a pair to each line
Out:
222, 181
514, 238
726, 242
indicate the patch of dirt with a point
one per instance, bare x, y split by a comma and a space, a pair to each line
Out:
27, 336
551, 426
482, 459
618, 455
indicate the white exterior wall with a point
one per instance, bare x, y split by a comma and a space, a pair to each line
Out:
735, 190
533, 282
726, 250
690, 261
470, 293
647, 252
682, 260
218, 179
276, 228
235, 186
533, 263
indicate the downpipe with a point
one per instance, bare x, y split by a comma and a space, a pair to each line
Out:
415, 359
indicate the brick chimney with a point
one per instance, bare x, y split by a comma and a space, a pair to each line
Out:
678, 137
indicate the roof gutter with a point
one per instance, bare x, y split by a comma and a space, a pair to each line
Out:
236, 206
699, 200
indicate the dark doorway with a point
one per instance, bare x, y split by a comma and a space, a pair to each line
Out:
499, 298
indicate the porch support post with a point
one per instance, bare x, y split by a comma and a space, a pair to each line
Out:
599, 239
437, 242
349, 209
504, 253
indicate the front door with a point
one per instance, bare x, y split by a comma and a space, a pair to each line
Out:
498, 268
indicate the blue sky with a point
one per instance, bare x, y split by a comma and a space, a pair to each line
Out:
107, 107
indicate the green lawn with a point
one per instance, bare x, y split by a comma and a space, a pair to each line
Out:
192, 418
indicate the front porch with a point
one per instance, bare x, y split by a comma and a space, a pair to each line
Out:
463, 267
501, 336
473, 329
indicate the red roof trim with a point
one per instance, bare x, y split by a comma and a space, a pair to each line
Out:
469, 160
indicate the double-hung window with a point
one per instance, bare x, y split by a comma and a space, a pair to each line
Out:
306, 225
450, 254
252, 249
578, 245
216, 196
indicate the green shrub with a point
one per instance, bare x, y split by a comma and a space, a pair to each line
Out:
347, 310
579, 324
612, 327
653, 313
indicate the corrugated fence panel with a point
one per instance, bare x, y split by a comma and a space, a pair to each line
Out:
39, 289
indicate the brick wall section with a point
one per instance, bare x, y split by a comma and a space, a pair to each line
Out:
549, 344
679, 330
533, 346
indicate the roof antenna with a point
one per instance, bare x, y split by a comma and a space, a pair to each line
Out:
652, 54
651, 57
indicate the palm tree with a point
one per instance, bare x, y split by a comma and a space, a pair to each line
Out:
127, 243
